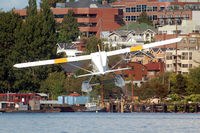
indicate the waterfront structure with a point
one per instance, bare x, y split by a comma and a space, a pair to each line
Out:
92, 17
18, 98
162, 12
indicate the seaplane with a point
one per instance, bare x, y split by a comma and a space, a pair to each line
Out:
99, 61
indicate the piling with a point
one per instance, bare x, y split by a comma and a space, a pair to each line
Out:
122, 107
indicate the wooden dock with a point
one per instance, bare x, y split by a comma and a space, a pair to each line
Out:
165, 108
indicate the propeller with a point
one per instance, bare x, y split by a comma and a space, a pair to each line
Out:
86, 87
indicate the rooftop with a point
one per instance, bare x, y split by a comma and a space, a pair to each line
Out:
85, 4
138, 27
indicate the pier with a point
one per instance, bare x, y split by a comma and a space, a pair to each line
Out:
124, 107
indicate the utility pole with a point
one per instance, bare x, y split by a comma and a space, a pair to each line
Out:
132, 85
102, 92
176, 49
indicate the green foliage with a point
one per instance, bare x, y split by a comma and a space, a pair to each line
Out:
156, 87
135, 26
73, 84
144, 91
34, 40
193, 86
143, 18
194, 98
52, 3
10, 24
91, 44
180, 86
69, 29
174, 98
54, 84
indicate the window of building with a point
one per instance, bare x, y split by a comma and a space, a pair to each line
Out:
192, 41
184, 65
185, 56
162, 8
139, 8
59, 15
128, 18
186, 16
128, 9
149, 9
144, 7
192, 48
155, 8
185, 41
133, 18
154, 17
190, 55
133, 9
151, 73
169, 56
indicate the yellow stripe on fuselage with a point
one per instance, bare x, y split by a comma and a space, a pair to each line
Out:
136, 48
61, 60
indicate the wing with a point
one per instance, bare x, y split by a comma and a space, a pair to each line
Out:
53, 61
140, 47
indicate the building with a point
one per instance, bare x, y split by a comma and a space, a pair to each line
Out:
142, 57
186, 27
138, 72
154, 69
189, 41
92, 17
124, 38
162, 12
131, 34
186, 59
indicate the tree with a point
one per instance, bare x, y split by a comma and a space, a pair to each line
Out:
52, 3
36, 41
69, 29
144, 18
181, 85
91, 44
54, 84
10, 24
193, 86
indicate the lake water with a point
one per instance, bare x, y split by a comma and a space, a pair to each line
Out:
99, 123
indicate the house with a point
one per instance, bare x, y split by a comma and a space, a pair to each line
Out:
126, 38
138, 72
143, 57
154, 69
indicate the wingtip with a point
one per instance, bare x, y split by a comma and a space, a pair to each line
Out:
16, 66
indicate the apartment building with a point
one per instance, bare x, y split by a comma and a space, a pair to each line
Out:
162, 12
185, 60
92, 17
